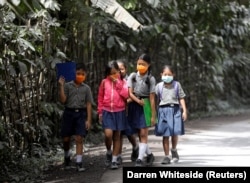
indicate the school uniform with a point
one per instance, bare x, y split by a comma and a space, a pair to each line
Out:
129, 130
169, 112
142, 87
112, 98
75, 112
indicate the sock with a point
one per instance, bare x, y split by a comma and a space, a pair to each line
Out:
67, 153
119, 155
148, 151
114, 158
142, 150
174, 149
109, 152
78, 158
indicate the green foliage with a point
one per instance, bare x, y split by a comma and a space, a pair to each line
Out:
207, 42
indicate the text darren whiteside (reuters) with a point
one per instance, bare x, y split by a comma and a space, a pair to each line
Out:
189, 174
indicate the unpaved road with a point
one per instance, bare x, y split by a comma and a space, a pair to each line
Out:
216, 141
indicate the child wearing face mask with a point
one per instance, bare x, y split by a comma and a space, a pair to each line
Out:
170, 116
112, 96
141, 89
76, 120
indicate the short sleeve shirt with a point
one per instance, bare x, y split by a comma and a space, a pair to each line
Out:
168, 94
140, 85
77, 97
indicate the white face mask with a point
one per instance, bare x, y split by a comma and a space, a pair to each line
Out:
167, 79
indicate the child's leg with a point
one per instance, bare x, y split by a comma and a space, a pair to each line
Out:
143, 136
174, 152
132, 140
135, 148
121, 144
108, 133
79, 148
119, 156
66, 145
174, 141
116, 145
165, 143
67, 153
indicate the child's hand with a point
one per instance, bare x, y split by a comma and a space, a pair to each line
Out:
141, 102
153, 121
184, 116
61, 81
129, 100
100, 119
87, 125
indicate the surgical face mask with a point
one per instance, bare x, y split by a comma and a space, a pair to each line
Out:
142, 69
80, 78
167, 79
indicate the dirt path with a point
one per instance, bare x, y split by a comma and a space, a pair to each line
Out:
198, 129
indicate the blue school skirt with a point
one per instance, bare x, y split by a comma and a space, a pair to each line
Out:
170, 121
114, 120
136, 117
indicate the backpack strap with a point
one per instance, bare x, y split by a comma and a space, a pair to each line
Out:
147, 81
176, 88
160, 90
133, 76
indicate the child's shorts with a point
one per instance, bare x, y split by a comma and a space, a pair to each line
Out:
136, 117
114, 120
172, 118
73, 122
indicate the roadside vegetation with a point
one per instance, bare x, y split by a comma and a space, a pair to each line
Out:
207, 42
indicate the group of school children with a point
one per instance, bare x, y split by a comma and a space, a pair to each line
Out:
127, 105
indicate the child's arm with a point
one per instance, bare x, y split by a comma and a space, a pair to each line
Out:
100, 100
62, 96
89, 115
184, 108
122, 88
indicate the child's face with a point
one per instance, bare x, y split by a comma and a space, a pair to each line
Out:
114, 74
122, 69
142, 66
80, 76
167, 72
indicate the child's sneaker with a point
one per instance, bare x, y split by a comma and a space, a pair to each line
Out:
138, 163
67, 163
108, 159
119, 160
166, 160
114, 166
134, 154
79, 167
175, 156
150, 159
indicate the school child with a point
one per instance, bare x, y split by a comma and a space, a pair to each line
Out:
142, 92
171, 113
129, 132
76, 120
112, 96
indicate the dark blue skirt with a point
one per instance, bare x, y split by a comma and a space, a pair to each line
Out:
136, 117
170, 122
114, 120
